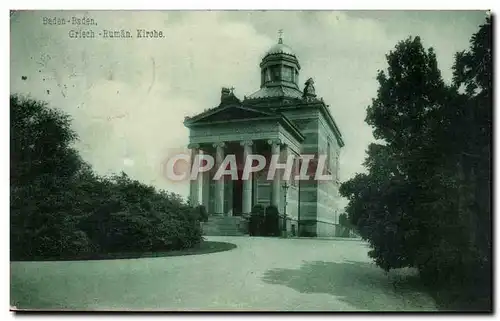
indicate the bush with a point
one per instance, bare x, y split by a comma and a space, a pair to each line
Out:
138, 218
61, 209
272, 223
256, 221
343, 221
258, 209
202, 213
345, 225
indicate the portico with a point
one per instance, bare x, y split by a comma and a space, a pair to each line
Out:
277, 120
230, 196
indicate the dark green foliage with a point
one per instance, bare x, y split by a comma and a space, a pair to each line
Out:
271, 224
256, 222
202, 213
60, 208
258, 209
425, 200
345, 226
343, 221
135, 217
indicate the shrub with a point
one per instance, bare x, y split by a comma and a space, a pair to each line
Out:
272, 223
61, 209
345, 225
202, 213
343, 221
256, 220
258, 209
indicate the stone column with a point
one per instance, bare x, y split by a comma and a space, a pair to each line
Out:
205, 189
247, 184
288, 180
194, 185
219, 184
275, 191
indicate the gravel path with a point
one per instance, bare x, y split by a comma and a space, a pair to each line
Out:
260, 274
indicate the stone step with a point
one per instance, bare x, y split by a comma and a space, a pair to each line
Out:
215, 228
225, 218
218, 233
221, 227
225, 226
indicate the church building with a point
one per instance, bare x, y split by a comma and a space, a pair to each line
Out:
278, 119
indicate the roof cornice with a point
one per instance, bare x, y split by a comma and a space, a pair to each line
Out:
324, 110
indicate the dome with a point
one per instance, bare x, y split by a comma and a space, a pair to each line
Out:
280, 48
279, 67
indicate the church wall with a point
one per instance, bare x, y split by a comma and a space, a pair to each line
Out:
301, 114
327, 191
308, 227
325, 229
308, 194
318, 200
308, 122
328, 195
292, 199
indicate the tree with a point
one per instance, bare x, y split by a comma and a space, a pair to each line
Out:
43, 167
410, 94
472, 72
271, 223
346, 226
60, 208
41, 140
472, 79
425, 200
256, 221
343, 221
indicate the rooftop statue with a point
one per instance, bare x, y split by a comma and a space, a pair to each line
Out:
309, 91
227, 95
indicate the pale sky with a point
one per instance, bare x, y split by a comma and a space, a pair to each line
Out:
128, 97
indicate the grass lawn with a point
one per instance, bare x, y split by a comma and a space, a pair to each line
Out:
204, 247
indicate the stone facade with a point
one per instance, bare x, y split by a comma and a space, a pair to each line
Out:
281, 120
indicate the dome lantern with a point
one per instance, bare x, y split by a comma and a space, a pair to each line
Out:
280, 66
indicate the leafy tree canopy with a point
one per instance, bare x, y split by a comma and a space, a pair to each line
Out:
425, 200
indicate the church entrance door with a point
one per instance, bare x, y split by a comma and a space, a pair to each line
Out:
238, 195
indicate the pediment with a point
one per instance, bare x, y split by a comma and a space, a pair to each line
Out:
227, 113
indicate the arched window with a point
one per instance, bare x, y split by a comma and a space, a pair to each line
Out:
287, 73
268, 75
275, 73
